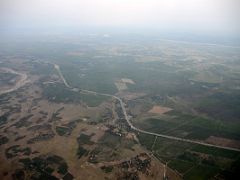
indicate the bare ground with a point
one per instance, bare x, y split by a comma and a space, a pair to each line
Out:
223, 142
159, 110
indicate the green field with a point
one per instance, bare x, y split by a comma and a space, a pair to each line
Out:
193, 161
60, 93
180, 165
201, 172
189, 126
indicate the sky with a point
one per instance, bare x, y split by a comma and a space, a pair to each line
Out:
206, 16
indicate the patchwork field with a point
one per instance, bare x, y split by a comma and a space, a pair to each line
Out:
67, 109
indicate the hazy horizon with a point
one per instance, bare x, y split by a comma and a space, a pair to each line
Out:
202, 17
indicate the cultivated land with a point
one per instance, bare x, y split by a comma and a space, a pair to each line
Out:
119, 109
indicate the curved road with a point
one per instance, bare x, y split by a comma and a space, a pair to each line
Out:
127, 118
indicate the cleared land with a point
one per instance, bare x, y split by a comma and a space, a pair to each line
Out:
159, 110
223, 142
122, 83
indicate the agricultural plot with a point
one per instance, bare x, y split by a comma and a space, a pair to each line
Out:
191, 127
49, 130
193, 161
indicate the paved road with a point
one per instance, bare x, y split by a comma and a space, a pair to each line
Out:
127, 118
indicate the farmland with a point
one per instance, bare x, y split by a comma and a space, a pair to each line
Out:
51, 130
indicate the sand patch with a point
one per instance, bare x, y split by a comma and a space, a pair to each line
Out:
223, 142
126, 80
159, 110
122, 83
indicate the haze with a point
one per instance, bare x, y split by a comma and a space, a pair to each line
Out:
197, 16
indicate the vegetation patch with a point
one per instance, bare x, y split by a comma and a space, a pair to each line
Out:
3, 140
107, 169
59, 93
223, 106
84, 139
62, 130
3, 119
201, 172
43, 166
16, 150
110, 140
216, 152
146, 140
180, 165
81, 152
93, 100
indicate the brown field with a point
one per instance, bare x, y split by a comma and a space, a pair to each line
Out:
159, 110
223, 142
